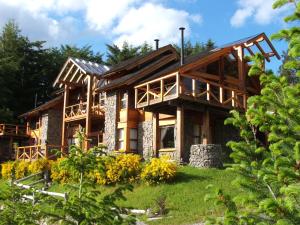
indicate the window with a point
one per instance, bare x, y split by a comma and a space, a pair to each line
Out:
102, 97
121, 139
123, 100
167, 138
196, 134
133, 139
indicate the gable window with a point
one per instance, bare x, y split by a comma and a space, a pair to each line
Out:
123, 100
167, 138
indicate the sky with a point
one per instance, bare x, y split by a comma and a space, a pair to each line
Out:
100, 22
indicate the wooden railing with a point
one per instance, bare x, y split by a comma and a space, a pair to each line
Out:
80, 110
196, 89
34, 152
10, 129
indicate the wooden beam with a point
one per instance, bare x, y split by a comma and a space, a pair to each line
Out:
194, 87
250, 50
262, 51
162, 90
68, 73
88, 110
241, 68
271, 46
72, 78
179, 132
61, 72
155, 120
66, 99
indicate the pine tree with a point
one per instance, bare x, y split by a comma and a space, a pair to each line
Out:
267, 159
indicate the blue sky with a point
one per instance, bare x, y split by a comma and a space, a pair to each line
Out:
97, 22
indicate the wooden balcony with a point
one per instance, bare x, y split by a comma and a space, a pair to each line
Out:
176, 86
35, 152
13, 130
79, 111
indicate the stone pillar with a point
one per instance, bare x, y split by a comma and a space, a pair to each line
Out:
110, 125
54, 132
206, 156
44, 128
145, 139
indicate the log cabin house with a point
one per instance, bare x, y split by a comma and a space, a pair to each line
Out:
158, 104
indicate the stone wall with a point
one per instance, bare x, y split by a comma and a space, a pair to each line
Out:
145, 139
110, 125
206, 156
44, 128
54, 127
172, 154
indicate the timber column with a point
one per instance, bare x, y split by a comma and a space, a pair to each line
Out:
179, 132
155, 119
88, 112
206, 130
66, 99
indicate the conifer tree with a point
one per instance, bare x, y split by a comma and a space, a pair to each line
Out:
267, 159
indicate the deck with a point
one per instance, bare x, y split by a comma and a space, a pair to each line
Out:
176, 86
79, 111
13, 130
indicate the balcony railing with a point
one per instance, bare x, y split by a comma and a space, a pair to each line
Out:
195, 89
38, 152
79, 111
15, 130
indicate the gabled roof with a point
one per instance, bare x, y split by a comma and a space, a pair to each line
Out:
75, 71
48, 105
137, 68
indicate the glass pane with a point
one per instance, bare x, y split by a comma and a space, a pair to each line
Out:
196, 130
133, 133
133, 145
167, 139
121, 134
121, 145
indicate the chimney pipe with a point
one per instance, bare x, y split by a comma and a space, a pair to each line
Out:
156, 44
182, 46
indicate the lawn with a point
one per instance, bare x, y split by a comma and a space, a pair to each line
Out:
185, 196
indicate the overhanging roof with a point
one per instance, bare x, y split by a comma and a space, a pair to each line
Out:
75, 71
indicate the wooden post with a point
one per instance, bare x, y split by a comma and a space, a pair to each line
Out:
66, 99
194, 87
208, 92
179, 132
178, 87
27, 128
162, 91
233, 98
135, 97
148, 97
155, 120
88, 111
206, 131
241, 67
221, 95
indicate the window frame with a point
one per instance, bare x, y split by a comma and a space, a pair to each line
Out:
160, 137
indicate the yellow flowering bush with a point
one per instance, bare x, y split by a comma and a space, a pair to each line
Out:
124, 168
159, 170
6, 169
21, 169
58, 172
38, 165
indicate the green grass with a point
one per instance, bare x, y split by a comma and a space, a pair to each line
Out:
185, 196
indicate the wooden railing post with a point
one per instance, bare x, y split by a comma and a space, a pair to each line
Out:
233, 98
136, 97
194, 87
17, 129
245, 101
221, 95
17, 155
30, 153
208, 92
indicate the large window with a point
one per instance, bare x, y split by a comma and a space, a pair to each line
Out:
196, 134
167, 138
121, 137
123, 100
133, 139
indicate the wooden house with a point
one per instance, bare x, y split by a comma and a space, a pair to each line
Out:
161, 103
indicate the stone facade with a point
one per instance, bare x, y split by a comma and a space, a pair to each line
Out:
172, 154
54, 127
44, 129
110, 125
206, 156
145, 139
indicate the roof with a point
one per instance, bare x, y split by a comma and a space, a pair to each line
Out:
137, 60
43, 107
90, 67
75, 71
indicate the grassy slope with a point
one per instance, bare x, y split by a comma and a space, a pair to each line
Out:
184, 196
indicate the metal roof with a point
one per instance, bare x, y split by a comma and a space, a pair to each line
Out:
90, 67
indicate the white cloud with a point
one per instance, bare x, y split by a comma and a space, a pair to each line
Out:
136, 21
260, 10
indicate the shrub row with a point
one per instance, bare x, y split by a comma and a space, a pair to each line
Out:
109, 170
